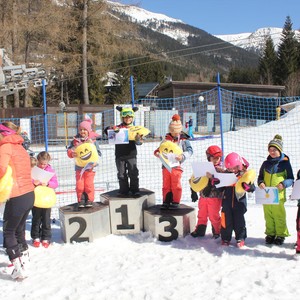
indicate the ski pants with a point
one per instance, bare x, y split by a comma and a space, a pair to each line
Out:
85, 183
41, 223
233, 219
14, 221
172, 183
275, 219
128, 168
190, 132
298, 227
209, 208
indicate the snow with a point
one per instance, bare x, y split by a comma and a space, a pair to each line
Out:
140, 266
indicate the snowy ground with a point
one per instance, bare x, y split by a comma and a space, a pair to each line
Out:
141, 267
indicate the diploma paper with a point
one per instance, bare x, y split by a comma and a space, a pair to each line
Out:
296, 190
120, 137
268, 195
41, 175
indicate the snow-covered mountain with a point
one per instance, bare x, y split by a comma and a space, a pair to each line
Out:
256, 40
157, 22
163, 24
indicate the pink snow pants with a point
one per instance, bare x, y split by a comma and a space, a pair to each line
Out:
209, 208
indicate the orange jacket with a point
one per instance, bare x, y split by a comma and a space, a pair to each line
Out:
13, 153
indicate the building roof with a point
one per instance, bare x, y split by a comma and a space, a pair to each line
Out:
145, 89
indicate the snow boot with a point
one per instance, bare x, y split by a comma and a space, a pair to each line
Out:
269, 239
199, 231
19, 271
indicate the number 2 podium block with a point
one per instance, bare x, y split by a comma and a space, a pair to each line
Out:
84, 224
169, 224
126, 213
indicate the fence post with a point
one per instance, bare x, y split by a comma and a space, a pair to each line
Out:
45, 115
220, 112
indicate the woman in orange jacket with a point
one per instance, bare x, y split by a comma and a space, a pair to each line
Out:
17, 208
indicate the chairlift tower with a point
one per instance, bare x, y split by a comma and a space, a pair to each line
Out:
17, 77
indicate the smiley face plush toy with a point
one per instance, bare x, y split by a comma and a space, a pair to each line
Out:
168, 147
86, 153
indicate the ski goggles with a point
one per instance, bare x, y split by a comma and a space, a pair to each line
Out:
127, 113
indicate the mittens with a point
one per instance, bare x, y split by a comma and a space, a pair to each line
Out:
194, 196
214, 181
250, 188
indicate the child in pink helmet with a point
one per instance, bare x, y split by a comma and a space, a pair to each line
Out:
210, 200
85, 189
234, 206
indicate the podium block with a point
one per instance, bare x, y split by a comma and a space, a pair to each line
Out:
84, 224
169, 224
126, 213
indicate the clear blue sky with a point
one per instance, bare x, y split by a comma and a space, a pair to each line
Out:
226, 16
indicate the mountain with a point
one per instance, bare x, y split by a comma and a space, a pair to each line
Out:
182, 44
255, 41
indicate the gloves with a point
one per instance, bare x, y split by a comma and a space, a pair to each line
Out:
194, 196
250, 188
116, 129
214, 181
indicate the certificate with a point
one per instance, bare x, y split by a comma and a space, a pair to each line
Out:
119, 137
268, 195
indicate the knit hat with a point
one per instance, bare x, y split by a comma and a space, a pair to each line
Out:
175, 125
86, 124
276, 142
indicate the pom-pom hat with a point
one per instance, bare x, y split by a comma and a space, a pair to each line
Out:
276, 142
175, 125
86, 124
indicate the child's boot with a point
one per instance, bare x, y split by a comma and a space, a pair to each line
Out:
19, 271
199, 231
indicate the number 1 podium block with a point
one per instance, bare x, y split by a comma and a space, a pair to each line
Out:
169, 224
84, 224
126, 213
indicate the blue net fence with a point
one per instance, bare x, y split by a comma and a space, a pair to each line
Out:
236, 122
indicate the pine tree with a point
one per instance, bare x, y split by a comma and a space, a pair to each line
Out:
267, 63
287, 56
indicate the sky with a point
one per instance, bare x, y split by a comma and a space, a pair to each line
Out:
139, 266
226, 16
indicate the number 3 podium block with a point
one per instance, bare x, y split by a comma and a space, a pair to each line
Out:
169, 224
84, 224
126, 213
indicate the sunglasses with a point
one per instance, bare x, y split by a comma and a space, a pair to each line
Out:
127, 113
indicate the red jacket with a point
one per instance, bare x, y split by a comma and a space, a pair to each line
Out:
13, 153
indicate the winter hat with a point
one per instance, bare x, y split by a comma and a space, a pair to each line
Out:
175, 125
276, 142
86, 124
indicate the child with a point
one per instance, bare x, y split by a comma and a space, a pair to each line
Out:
276, 171
298, 222
234, 205
85, 188
210, 200
41, 217
126, 161
172, 189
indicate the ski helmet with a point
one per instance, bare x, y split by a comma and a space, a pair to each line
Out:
233, 160
214, 151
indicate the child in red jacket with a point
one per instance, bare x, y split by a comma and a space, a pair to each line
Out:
210, 200
172, 188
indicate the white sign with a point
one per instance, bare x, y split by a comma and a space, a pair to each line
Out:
296, 190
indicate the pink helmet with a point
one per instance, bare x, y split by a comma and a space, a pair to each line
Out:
233, 160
